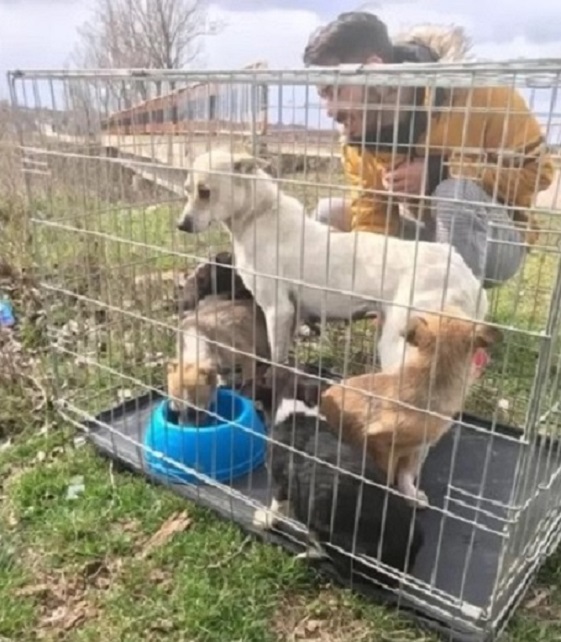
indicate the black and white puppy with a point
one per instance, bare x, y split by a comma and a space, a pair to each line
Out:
216, 277
331, 486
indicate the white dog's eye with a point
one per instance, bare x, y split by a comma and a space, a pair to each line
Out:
203, 192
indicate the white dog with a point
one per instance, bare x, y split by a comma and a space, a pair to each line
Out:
295, 265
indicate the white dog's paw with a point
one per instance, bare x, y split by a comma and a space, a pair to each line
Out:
309, 331
263, 518
305, 331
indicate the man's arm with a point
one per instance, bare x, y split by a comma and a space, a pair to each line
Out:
519, 166
370, 210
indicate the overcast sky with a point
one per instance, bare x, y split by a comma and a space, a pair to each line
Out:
41, 33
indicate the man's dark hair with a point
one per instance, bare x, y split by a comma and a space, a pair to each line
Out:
350, 38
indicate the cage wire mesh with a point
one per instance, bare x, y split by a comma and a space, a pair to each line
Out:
105, 156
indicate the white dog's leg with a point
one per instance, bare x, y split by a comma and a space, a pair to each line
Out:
280, 325
391, 347
264, 518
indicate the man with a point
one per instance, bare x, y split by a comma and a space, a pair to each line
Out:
465, 163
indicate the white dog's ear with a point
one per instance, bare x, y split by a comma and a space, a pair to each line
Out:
249, 164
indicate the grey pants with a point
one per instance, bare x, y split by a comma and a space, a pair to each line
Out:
465, 216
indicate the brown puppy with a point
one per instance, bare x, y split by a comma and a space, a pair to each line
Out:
226, 337
194, 386
403, 412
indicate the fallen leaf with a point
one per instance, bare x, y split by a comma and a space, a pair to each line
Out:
33, 590
129, 526
66, 618
56, 451
162, 626
162, 579
123, 394
55, 617
79, 441
157, 576
539, 597
177, 523
312, 625
76, 487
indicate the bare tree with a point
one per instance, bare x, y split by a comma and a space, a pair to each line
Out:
83, 102
157, 34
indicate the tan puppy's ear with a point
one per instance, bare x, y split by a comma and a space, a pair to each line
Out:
486, 336
249, 164
417, 332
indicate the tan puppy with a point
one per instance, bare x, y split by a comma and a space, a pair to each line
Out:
412, 406
194, 386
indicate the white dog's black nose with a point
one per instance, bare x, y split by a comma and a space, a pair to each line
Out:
186, 225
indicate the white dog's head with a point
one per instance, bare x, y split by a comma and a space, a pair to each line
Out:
220, 188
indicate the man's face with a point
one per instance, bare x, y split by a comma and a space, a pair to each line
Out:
359, 110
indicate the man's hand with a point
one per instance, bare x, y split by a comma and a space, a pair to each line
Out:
408, 178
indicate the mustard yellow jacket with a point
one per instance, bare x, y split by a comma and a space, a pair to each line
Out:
485, 134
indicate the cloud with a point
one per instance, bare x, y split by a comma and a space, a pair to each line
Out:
35, 33
279, 36
327, 10
526, 30
275, 35
518, 47
537, 20
41, 34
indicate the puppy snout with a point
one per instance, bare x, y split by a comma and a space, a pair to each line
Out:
186, 224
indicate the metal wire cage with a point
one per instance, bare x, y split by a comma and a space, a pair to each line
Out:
105, 155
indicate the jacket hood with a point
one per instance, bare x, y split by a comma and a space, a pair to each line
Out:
448, 43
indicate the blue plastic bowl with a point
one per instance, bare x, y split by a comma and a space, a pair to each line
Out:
222, 450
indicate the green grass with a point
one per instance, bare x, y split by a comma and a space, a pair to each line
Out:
73, 569
206, 583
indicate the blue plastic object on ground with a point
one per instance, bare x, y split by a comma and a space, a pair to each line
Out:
222, 450
7, 318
